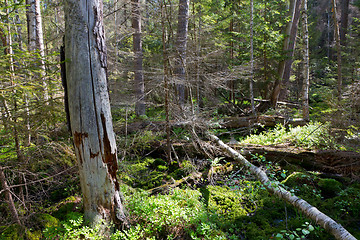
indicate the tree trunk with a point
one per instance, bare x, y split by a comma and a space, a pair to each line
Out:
281, 68
338, 50
138, 52
9, 198
306, 73
89, 109
276, 189
36, 39
252, 56
181, 42
166, 83
290, 52
344, 21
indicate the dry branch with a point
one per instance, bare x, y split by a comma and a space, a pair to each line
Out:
311, 212
174, 184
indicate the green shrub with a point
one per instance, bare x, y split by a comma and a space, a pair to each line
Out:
313, 135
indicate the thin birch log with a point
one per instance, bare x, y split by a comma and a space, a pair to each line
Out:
274, 188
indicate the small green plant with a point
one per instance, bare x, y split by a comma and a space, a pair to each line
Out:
297, 234
313, 135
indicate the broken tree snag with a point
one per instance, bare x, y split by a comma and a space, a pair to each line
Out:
89, 110
274, 188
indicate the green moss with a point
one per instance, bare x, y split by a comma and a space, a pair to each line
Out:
12, 232
162, 168
330, 187
297, 179
36, 235
178, 174
226, 202
46, 220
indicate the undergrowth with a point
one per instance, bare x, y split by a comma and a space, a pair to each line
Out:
314, 135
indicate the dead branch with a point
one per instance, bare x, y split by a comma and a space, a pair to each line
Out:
174, 184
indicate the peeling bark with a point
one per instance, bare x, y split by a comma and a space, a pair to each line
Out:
89, 110
274, 188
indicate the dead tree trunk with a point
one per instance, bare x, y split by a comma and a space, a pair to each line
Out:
290, 28
290, 54
274, 188
344, 21
306, 72
89, 109
181, 43
252, 57
338, 50
137, 46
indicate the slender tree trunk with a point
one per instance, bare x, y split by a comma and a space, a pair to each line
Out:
281, 68
166, 82
89, 109
36, 39
138, 52
252, 56
181, 43
199, 80
231, 81
276, 189
306, 73
8, 197
338, 50
344, 21
290, 52
265, 60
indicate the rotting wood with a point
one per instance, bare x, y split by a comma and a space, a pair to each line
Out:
274, 188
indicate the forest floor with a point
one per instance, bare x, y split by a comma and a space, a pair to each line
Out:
202, 193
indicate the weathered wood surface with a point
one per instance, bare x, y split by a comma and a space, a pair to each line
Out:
274, 188
89, 109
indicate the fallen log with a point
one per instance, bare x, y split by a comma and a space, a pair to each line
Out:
263, 120
275, 188
230, 122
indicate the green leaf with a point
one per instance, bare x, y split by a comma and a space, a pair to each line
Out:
311, 228
305, 232
279, 236
292, 236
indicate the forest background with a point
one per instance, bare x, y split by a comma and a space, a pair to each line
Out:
231, 71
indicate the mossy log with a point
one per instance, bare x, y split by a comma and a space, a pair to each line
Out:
329, 161
274, 188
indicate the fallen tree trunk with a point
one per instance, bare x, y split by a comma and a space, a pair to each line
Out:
274, 188
263, 120
231, 122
